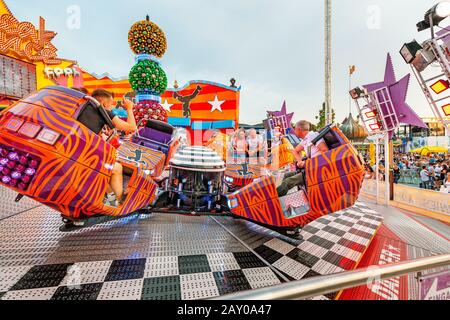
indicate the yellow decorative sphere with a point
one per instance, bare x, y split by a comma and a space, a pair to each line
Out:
145, 37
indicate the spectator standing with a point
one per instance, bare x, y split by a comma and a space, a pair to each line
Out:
424, 177
397, 174
255, 144
240, 146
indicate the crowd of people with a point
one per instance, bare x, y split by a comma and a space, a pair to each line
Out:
432, 171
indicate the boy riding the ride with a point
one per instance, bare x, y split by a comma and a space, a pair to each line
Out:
106, 99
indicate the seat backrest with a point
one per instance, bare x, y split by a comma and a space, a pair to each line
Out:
160, 126
155, 135
331, 137
332, 140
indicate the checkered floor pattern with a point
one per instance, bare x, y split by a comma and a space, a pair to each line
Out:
158, 278
332, 244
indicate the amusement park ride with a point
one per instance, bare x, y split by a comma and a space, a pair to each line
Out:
48, 154
51, 157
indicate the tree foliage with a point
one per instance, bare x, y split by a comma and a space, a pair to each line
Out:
322, 118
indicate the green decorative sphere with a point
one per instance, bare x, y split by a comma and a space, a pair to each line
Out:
148, 76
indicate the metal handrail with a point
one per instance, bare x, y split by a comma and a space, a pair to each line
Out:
317, 286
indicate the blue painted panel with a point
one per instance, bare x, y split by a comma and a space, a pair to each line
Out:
201, 125
225, 124
179, 122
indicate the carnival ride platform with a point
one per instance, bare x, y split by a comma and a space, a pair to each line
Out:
160, 256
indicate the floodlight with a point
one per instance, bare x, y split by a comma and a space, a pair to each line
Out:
435, 15
356, 93
409, 51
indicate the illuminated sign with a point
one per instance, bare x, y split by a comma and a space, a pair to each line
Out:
440, 86
22, 40
58, 72
446, 110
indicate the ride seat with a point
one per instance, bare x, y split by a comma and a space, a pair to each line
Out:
332, 140
330, 137
156, 135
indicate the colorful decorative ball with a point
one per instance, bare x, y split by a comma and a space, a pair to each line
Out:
153, 80
3, 152
6, 179
30, 172
145, 37
146, 110
14, 156
34, 164
20, 168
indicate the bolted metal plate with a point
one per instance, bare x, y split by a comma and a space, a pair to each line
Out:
81, 292
164, 288
198, 286
32, 294
86, 272
193, 264
248, 260
161, 267
42, 277
222, 262
122, 290
261, 277
279, 246
231, 281
291, 267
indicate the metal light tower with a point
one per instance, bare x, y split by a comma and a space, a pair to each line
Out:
328, 106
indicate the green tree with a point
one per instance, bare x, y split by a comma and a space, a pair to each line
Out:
322, 118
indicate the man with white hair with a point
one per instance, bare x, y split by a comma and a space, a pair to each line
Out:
303, 131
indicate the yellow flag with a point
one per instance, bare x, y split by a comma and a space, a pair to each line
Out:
352, 69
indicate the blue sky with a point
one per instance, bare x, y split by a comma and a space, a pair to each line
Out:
273, 48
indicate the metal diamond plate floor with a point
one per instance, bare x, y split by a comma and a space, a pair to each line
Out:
160, 256
415, 230
8, 207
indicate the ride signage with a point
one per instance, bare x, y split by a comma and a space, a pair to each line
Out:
24, 41
435, 286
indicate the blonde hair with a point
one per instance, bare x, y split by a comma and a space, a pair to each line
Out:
304, 125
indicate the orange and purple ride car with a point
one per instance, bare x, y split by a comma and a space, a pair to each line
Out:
49, 155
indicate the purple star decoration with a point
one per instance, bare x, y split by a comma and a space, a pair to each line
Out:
398, 91
445, 34
284, 118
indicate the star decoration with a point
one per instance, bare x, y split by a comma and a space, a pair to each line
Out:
216, 104
442, 32
282, 113
398, 91
389, 77
166, 106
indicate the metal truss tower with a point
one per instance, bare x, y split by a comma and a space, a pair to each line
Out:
328, 25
